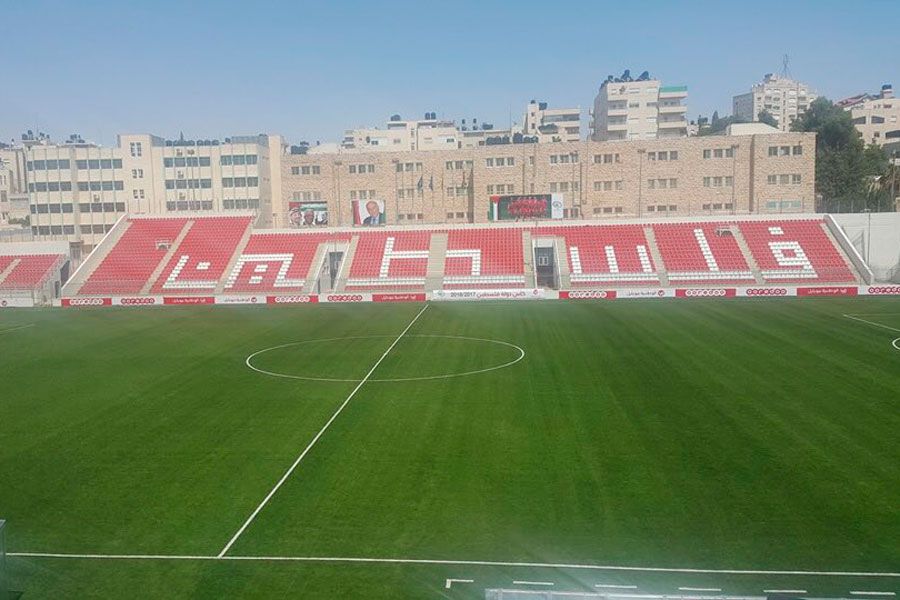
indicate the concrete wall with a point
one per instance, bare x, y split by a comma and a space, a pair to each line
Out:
881, 248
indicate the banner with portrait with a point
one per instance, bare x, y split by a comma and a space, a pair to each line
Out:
308, 214
368, 212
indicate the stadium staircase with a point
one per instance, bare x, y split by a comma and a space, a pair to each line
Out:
656, 255
349, 257
748, 256
434, 272
7, 263
528, 259
87, 266
236, 255
167, 257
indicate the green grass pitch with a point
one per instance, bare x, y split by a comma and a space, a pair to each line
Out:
741, 434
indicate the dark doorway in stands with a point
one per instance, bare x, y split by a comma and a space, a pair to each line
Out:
545, 268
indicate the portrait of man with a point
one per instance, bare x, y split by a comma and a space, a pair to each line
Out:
369, 213
374, 212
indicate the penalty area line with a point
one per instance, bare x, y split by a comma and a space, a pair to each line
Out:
322, 431
437, 561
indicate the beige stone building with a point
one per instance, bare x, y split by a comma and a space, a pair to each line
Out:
430, 133
638, 109
784, 98
78, 190
13, 184
551, 124
876, 116
674, 177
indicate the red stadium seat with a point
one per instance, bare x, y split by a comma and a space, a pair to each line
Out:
131, 262
386, 260
484, 258
30, 270
795, 251
201, 258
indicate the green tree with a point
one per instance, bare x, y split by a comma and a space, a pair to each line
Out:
719, 125
845, 168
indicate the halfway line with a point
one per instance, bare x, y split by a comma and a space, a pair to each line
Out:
318, 435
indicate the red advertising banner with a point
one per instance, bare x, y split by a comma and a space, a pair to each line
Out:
828, 291
79, 302
587, 295
171, 300
706, 293
295, 299
398, 297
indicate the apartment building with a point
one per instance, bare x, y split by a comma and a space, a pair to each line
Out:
661, 177
782, 97
876, 116
13, 184
78, 190
551, 124
638, 109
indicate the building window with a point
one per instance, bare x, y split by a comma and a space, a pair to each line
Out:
136, 149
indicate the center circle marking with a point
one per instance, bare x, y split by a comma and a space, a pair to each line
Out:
249, 360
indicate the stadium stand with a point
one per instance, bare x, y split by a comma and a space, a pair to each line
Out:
130, 263
390, 260
698, 253
201, 258
277, 262
28, 271
484, 258
216, 254
795, 251
607, 254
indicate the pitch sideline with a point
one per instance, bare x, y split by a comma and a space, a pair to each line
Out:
450, 562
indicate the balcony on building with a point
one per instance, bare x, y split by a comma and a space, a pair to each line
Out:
673, 91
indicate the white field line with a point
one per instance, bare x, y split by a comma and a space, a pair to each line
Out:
249, 360
448, 583
868, 593
306, 450
16, 328
437, 561
785, 592
855, 318
544, 583
699, 589
895, 343
615, 586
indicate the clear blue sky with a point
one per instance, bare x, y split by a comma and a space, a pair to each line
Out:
311, 69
